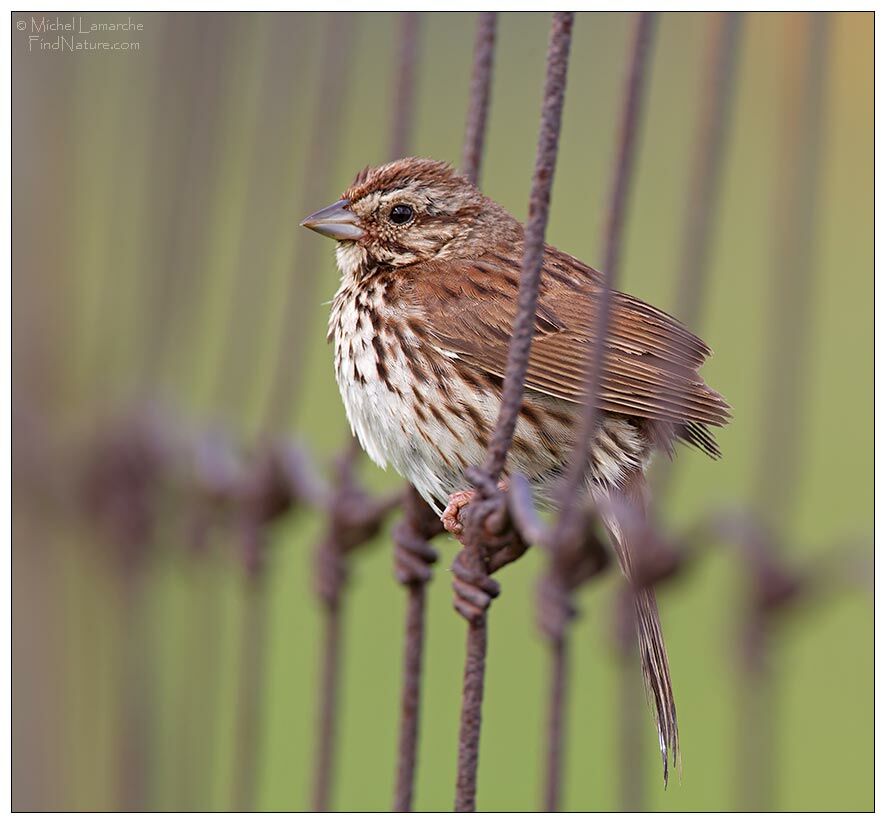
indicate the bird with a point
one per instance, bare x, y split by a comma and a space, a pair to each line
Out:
420, 326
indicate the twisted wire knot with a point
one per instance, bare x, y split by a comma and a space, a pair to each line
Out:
577, 556
555, 607
263, 494
474, 589
330, 572
491, 542
123, 476
353, 519
655, 558
414, 557
774, 584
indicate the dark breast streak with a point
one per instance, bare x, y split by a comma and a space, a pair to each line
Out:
436, 413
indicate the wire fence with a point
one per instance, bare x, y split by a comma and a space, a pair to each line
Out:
147, 478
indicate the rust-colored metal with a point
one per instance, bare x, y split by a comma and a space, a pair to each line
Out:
413, 561
480, 95
490, 542
353, 518
413, 555
692, 276
404, 85
790, 330
572, 535
288, 371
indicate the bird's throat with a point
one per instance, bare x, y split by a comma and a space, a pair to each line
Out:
353, 261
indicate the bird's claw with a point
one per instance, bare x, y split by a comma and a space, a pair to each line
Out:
451, 517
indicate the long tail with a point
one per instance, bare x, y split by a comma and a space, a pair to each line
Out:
657, 675
653, 654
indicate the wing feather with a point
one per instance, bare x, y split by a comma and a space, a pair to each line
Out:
650, 363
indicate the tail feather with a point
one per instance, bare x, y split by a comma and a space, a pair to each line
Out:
657, 675
653, 654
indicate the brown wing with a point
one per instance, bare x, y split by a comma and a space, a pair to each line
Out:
651, 362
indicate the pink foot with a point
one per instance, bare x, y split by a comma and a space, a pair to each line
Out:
452, 514
451, 517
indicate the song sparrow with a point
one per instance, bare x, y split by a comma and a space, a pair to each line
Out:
421, 323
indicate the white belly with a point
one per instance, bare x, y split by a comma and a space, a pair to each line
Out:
381, 400
390, 402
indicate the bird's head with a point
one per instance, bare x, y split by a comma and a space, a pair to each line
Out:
409, 211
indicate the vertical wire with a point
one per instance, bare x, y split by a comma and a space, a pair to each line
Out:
198, 727
518, 359
785, 375
613, 239
533, 244
554, 765
159, 311
419, 523
252, 668
709, 154
571, 492
322, 152
288, 369
327, 723
703, 204
480, 96
233, 366
404, 87
791, 307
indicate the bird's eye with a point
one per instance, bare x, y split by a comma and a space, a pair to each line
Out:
400, 214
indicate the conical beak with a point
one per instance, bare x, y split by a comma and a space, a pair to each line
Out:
335, 221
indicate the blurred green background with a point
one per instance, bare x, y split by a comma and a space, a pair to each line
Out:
156, 200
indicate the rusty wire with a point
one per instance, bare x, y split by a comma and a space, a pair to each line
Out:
790, 331
613, 240
473, 586
322, 153
708, 161
702, 205
249, 696
708, 152
277, 478
403, 113
480, 95
485, 551
216, 465
233, 376
575, 554
413, 554
267, 488
614, 230
129, 454
533, 245
353, 519
790, 304
414, 558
